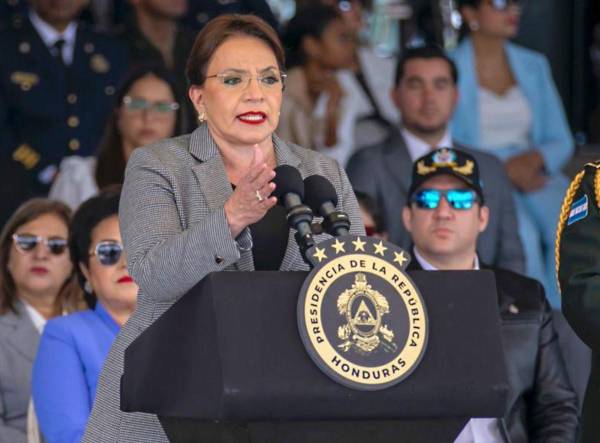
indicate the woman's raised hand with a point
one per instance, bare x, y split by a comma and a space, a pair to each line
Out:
251, 199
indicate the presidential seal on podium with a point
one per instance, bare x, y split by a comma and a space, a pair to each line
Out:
360, 316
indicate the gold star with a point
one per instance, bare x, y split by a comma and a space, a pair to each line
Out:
359, 245
319, 254
338, 246
379, 248
400, 258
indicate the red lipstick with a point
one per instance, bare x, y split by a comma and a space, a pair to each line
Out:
125, 279
252, 118
39, 270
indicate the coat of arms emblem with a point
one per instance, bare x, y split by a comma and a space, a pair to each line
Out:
360, 316
363, 308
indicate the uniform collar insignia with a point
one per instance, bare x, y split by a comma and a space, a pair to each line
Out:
25, 80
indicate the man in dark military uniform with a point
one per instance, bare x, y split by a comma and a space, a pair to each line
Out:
57, 80
578, 264
153, 35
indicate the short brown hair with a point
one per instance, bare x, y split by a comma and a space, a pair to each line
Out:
428, 52
70, 297
220, 29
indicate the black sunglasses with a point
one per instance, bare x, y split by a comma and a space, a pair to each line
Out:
108, 252
28, 242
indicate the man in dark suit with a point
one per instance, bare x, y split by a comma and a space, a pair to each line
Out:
445, 213
57, 80
578, 262
426, 95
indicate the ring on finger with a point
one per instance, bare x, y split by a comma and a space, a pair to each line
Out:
259, 197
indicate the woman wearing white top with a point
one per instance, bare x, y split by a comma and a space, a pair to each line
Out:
146, 111
36, 284
509, 107
317, 112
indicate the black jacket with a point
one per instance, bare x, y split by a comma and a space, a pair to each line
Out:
542, 405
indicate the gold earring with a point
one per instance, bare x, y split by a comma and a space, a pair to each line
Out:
201, 116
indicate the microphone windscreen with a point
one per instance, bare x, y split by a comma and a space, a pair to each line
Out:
287, 180
319, 190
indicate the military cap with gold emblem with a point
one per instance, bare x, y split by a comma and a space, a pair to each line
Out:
578, 271
446, 161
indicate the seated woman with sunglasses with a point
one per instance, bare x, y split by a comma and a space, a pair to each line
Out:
146, 111
73, 348
509, 107
36, 284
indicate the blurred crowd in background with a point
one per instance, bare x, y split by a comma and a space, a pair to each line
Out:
84, 83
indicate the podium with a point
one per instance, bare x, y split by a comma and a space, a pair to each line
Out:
226, 364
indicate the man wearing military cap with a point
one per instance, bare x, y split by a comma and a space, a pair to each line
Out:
57, 80
426, 94
445, 214
578, 267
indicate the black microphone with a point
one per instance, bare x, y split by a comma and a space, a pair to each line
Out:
289, 191
322, 199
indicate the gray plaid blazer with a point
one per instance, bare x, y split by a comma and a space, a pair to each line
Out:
18, 344
175, 232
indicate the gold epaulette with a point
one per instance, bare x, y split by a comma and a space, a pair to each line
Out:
568, 201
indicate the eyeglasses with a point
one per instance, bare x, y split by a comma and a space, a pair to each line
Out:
27, 243
503, 5
460, 199
136, 104
108, 252
271, 79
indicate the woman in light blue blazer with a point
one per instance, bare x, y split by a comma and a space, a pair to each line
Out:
73, 348
509, 107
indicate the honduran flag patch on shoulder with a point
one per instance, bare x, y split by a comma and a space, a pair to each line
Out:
578, 211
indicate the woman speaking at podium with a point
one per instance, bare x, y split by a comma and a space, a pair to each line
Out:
200, 203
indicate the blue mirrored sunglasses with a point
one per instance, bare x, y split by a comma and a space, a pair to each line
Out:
108, 252
461, 199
